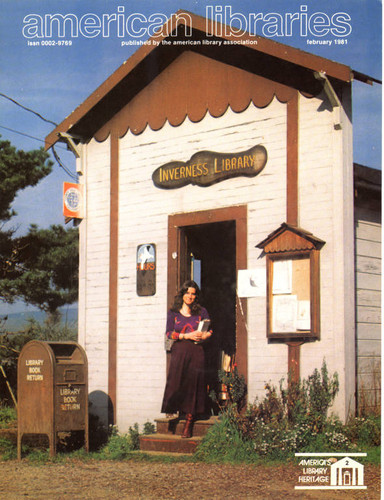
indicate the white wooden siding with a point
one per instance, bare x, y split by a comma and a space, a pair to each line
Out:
94, 273
368, 309
143, 218
325, 193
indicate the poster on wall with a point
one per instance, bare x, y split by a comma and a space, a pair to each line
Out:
57, 54
73, 204
251, 283
146, 269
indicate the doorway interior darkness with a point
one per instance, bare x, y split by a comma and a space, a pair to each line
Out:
210, 251
211, 262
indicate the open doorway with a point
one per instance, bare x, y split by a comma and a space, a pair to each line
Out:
210, 247
211, 262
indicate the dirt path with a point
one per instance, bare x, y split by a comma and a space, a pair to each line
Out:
74, 480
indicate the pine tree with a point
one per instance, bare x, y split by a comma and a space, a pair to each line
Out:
41, 267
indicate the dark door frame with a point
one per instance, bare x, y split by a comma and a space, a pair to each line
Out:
176, 253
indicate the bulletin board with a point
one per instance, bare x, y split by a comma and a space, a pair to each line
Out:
293, 284
291, 295
293, 299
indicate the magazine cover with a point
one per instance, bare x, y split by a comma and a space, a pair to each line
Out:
165, 164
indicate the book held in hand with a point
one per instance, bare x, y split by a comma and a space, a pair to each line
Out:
204, 325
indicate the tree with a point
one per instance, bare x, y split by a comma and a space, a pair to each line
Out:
40, 267
46, 274
19, 169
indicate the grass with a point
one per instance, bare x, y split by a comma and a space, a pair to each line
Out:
235, 455
373, 455
224, 443
7, 449
8, 416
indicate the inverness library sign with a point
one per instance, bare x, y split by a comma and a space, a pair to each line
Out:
206, 167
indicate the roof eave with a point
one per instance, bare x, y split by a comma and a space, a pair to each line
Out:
184, 18
370, 80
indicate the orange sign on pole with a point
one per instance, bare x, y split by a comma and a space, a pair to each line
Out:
73, 206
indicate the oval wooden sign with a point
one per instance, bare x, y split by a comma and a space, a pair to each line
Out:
207, 167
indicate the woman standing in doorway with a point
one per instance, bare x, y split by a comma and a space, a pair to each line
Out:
185, 391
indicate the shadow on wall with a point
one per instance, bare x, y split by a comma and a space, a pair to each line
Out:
100, 414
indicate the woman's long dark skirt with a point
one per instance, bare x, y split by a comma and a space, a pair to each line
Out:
185, 389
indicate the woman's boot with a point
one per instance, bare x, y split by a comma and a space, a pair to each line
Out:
187, 431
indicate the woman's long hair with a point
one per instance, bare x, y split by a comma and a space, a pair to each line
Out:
178, 302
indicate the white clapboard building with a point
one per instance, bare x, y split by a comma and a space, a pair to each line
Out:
227, 159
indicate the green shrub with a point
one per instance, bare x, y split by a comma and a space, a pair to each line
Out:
308, 400
8, 416
50, 330
225, 443
301, 406
373, 455
149, 428
11, 345
235, 385
118, 447
295, 418
38, 456
134, 436
366, 431
331, 438
8, 450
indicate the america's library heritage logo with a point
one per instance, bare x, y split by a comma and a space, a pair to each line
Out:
330, 471
121, 23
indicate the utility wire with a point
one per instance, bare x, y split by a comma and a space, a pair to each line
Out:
26, 135
57, 158
28, 109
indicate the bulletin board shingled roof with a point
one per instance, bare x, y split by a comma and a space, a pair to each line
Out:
288, 238
230, 75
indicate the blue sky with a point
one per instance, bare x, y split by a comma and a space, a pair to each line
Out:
54, 80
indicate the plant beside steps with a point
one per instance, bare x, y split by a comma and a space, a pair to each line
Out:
168, 436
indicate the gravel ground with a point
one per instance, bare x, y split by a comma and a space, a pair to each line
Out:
91, 479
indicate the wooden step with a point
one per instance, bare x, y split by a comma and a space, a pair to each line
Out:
168, 436
169, 443
175, 426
